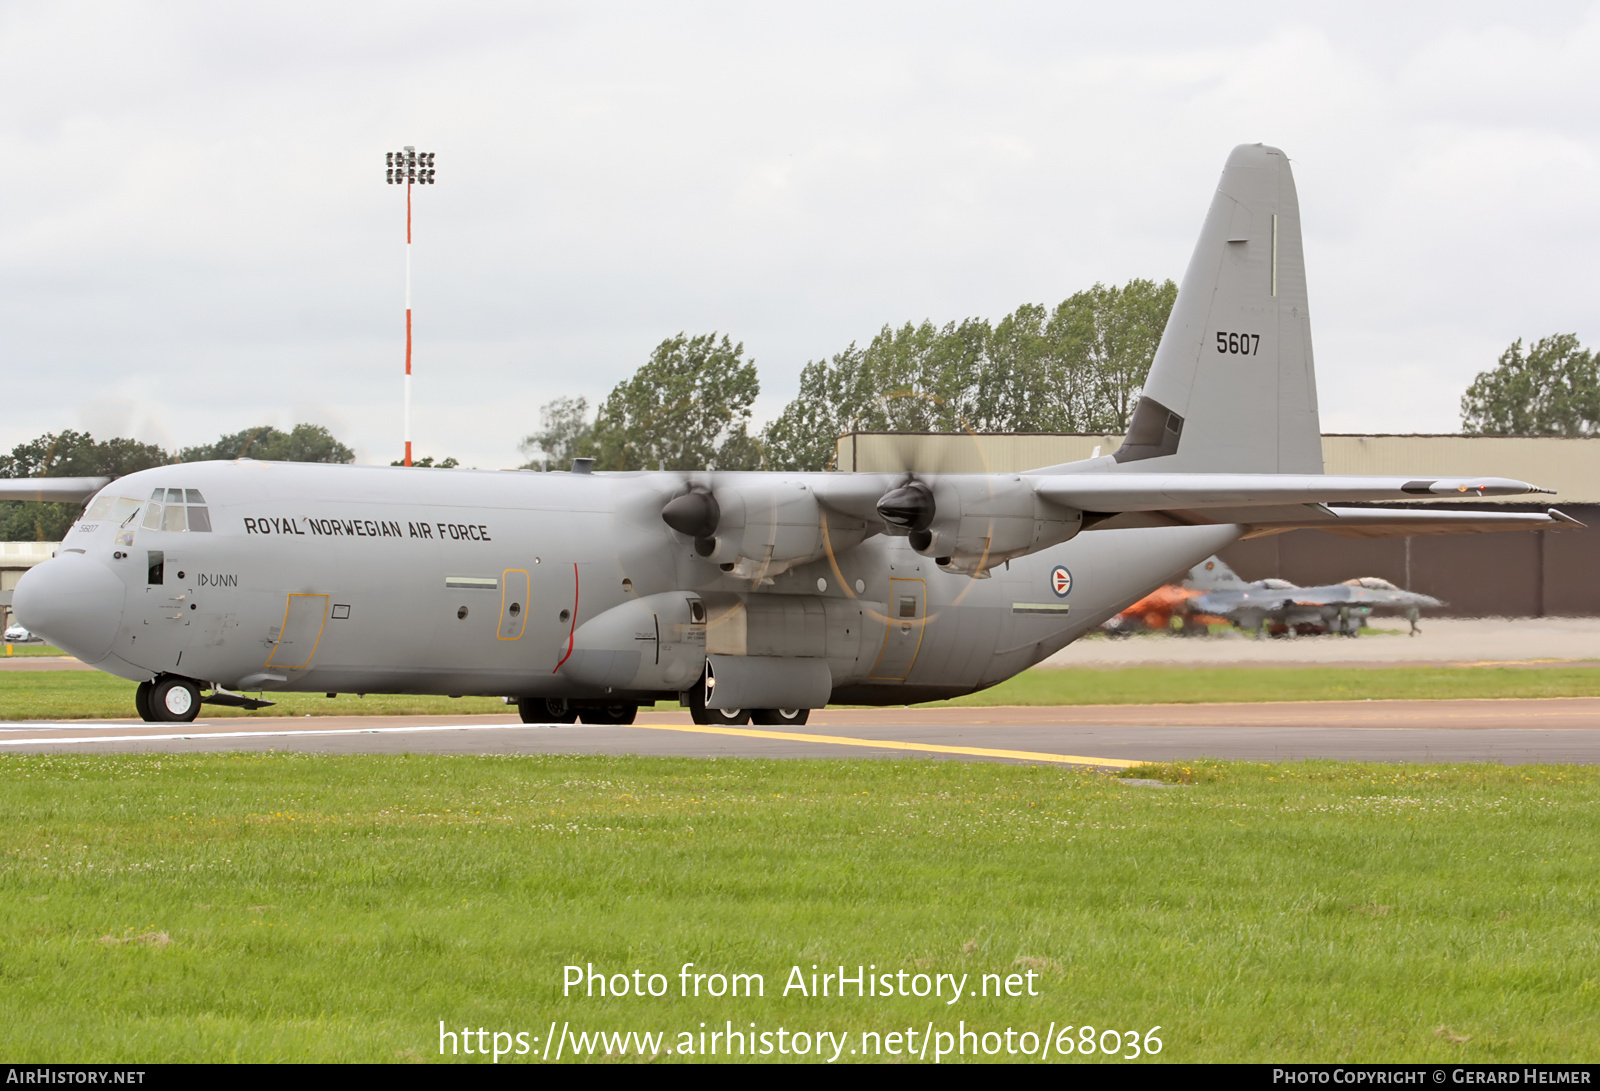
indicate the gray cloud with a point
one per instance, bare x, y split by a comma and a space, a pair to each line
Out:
195, 235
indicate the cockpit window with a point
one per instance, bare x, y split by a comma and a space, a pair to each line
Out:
173, 514
100, 508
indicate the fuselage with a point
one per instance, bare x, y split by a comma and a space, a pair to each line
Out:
281, 576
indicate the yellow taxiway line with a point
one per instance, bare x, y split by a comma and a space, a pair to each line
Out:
890, 744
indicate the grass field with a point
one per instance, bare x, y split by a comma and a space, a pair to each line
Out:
31, 695
1207, 685
25, 650
302, 908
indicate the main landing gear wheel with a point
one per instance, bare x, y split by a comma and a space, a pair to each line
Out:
546, 710
141, 701
725, 717
779, 717
609, 714
174, 701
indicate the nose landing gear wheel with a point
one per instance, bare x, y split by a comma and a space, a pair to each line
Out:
777, 717
174, 701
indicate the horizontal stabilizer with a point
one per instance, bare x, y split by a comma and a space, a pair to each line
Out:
58, 490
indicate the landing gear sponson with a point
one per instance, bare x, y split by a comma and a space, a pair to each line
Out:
556, 710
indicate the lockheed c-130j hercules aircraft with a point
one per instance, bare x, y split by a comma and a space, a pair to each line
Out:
745, 595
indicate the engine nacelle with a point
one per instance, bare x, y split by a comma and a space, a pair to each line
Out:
970, 523
758, 528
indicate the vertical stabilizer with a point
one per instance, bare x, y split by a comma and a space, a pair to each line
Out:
1213, 574
1232, 387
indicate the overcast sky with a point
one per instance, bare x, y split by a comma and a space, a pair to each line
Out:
195, 234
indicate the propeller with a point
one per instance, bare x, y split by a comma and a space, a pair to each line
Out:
695, 514
909, 506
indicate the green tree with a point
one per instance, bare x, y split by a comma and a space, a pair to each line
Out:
687, 408
1552, 390
69, 454
1114, 333
305, 443
917, 378
1076, 368
565, 432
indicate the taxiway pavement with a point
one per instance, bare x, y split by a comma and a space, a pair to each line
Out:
1565, 730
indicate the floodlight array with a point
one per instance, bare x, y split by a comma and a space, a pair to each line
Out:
409, 166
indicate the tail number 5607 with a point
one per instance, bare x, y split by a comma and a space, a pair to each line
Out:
1238, 344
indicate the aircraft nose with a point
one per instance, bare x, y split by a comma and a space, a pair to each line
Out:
73, 602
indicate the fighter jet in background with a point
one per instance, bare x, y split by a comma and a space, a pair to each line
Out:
1279, 608
744, 595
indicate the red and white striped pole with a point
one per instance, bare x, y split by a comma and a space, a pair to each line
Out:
409, 167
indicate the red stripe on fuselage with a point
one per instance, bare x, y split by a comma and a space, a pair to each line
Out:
571, 633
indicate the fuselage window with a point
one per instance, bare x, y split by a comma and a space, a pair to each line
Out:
157, 567
908, 606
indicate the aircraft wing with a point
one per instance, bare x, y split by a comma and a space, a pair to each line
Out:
1404, 522
61, 490
758, 525
1159, 492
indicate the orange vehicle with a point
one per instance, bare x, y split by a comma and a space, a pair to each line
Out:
1170, 608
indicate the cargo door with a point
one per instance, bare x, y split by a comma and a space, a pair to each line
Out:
296, 642
903, 636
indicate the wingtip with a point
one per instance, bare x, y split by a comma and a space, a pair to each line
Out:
1561, 516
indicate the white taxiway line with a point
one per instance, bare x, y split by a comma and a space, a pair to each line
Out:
251, 734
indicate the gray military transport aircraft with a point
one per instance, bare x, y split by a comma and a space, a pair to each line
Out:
747, 596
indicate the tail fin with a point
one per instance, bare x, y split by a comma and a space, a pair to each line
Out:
1232, 387
1212, 574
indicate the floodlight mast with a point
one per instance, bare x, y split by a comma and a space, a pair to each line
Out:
409, 167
